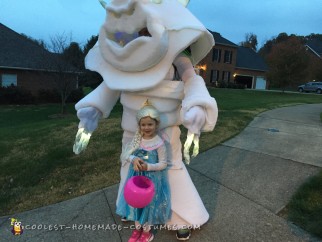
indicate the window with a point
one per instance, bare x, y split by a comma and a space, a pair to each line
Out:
8, 80
214, 76
216, 55
228, 56
226, 76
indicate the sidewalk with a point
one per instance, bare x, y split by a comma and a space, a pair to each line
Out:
244, 183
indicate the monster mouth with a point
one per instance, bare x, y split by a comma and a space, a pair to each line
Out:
122, 38
129, 48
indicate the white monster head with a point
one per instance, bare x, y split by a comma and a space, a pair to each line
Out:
131, 61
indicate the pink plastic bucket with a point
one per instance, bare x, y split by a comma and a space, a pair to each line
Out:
139, 191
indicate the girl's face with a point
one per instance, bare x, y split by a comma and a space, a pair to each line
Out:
148, 127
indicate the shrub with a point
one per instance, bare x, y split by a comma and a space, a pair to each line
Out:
75, 95
15, 95
223, 84
48, 96
235, 85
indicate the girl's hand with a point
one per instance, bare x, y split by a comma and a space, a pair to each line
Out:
144, 166
139, 165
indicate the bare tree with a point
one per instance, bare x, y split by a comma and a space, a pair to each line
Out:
64, 74
250, 41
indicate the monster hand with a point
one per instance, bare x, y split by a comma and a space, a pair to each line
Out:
81, 141
194, 120
88, 117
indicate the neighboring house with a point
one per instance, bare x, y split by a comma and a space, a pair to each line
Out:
219, 64
315, 46
230, 63
25, 64
250, 69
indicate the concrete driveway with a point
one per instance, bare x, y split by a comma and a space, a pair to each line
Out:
244, 183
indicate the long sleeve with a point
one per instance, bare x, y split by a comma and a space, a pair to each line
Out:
162, 164
102, 98
196, 93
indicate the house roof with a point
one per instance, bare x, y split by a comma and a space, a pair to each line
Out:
221, 40
19, 52
316, 46
249, 59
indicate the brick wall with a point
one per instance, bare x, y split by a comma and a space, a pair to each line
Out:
219, 66
34, 81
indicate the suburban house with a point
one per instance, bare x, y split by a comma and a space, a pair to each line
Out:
314, 48
230, 63
250, 69
25, 64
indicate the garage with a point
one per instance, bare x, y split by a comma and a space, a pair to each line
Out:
244, 80
260, 83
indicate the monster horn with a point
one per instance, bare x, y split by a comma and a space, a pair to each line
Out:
103, 3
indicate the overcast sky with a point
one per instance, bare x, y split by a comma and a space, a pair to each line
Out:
42, 19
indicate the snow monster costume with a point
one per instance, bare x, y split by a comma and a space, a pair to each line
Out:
138, 67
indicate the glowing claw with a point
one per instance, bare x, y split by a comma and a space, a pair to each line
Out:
81, 140
187, 146
191, 138
195, 146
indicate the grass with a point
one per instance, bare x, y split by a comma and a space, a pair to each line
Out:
305, 207
38, 167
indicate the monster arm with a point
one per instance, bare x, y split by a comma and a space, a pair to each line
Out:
199, 109
102, 98
99, 103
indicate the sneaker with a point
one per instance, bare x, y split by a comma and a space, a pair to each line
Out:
146, 237
135, 235
183, 234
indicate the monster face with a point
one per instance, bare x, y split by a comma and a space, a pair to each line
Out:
128, 18
140, 39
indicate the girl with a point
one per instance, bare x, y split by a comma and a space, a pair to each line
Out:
147, 154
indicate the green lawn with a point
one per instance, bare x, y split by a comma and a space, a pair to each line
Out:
305, 207
38, 167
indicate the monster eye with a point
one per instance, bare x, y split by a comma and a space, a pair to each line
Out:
156, 1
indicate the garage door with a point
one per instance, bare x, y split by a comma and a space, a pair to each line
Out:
260, 83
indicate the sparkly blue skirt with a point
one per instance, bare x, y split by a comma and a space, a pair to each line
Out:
159, 210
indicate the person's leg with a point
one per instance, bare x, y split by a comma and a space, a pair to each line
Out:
183, 234
146, 235
127, 137
136, 232
186, 213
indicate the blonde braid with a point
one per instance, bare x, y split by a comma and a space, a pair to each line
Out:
132, 146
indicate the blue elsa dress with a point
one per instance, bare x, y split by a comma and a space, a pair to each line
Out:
159, 210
